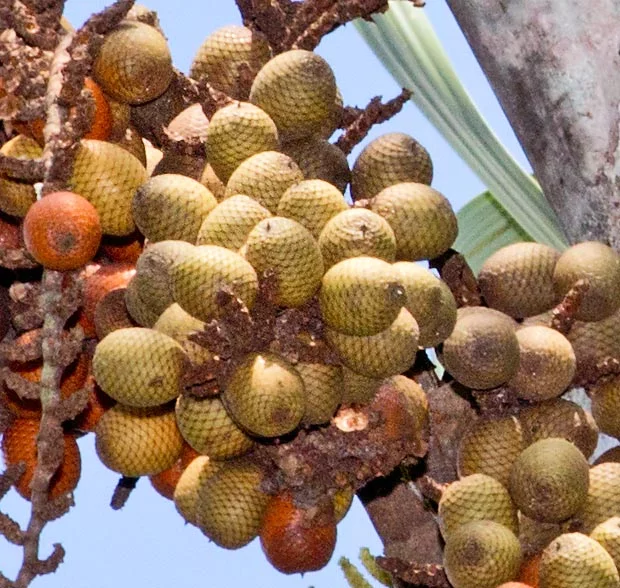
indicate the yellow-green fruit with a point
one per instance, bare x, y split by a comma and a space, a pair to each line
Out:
546, 366
265, 395
605, 395
475, 498
430, 301
265, 177
481, 554
179, 325
417, 400
323, 391
312, 203
186, 491
191, 123
560, 418
549, 480
199, 277
209, 179
228, 56
358, 389
599, 265
289, 250
138, 441
603, 499
297, 89
518, 279
385, 354
231, 504
206, 426
136, 302
343, 499
361, 296
608, 535
422, 219
321, 160
335, 120
390, 159
355, 232
139, 367
482, 351
171, 206
16, 196
574, 560
236, 132
134, 64
108, 176
490, 447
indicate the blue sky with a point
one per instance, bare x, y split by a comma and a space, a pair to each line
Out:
148, 544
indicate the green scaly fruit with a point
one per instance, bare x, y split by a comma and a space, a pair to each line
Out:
17, 196
323, 386
186, 491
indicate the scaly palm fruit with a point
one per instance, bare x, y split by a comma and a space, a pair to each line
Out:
475, 498
265, 177
230, 222
191, 123
605, 395
139, 367
549, 480
297, 89
321, 160
111, 313
16, 196
422, 219
560, 418
312, 203
385, 354
603, 499
343, 499
608, 535
597, 263
138, 441
289, 249
417, 400
546, 366
165, 482
490, 447
209, 179
323, 391
231, 504
121, 116
206, 426
108, 176
224, 53
430, 301
355, 232
358, 389
482, 351
574, 560
481, 554
187, 165
238, 131
361, 296
265, 395
179, 325
198, 277
134, 64
137, 305
186, 492
332, 124
171, 207
389, 159
518, 279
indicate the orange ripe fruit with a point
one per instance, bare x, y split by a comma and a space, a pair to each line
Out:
62, 231
529, 570
165, 482
19, 444
98, 403
294, 539
122, 249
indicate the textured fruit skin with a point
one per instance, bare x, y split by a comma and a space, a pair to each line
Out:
358, 389
605, 397
210, 180
289, 250
385, 354
356, 232
549, 480
265, 395
265, 177
122, 249
574, 560
389, 159
165, 482
481, 554
423, 221
236, 132
608, 535
296, 540
191, 123
599, 264
16, 196
361, 296
323, 391
138, 441
416, 401
297, 89
518, 279
134, 64
186, 491
171, 206
199, 276
207, 427
472, 498
231, 504
603, 499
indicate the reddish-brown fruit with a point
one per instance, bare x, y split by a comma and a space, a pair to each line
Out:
165, 482
98, 403
122, 249
297, 540
62, 231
